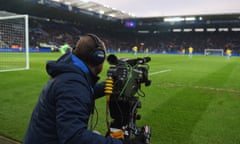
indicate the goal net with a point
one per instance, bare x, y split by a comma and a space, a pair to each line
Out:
14, 47
217, 52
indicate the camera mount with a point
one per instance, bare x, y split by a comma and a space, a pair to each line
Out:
123, 89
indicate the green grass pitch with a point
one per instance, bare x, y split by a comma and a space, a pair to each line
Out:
190, 101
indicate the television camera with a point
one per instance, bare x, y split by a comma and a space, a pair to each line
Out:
123, 89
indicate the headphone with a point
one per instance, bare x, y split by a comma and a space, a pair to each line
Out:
97, 55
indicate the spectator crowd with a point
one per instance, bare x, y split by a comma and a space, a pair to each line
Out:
57, 34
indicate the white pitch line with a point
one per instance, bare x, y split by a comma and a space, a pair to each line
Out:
162, 71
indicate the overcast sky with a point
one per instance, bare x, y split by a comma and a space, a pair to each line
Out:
146, 8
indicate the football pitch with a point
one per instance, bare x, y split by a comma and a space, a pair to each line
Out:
190, 100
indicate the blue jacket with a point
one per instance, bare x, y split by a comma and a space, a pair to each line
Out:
62, 112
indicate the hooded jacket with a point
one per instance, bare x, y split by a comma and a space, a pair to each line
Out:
65, 104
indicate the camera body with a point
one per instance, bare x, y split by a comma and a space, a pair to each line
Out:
128, 75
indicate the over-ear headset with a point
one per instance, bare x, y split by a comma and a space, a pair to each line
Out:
97, 55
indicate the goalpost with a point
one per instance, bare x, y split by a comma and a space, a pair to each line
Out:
14, 43
218, 52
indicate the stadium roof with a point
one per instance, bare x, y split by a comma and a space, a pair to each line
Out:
76, 12
96, 7
5, 13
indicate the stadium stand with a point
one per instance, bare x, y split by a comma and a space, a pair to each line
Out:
158, 35
53, 33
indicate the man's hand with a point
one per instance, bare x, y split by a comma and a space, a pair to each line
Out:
117, 134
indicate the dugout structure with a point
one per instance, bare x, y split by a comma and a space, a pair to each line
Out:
14, 43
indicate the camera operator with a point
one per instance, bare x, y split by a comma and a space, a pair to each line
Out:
66, 103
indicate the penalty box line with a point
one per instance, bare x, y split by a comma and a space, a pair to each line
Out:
158, 72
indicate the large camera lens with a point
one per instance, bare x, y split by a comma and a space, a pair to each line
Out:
112, 59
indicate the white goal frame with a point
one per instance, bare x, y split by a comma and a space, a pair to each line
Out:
208, 51
25, 45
